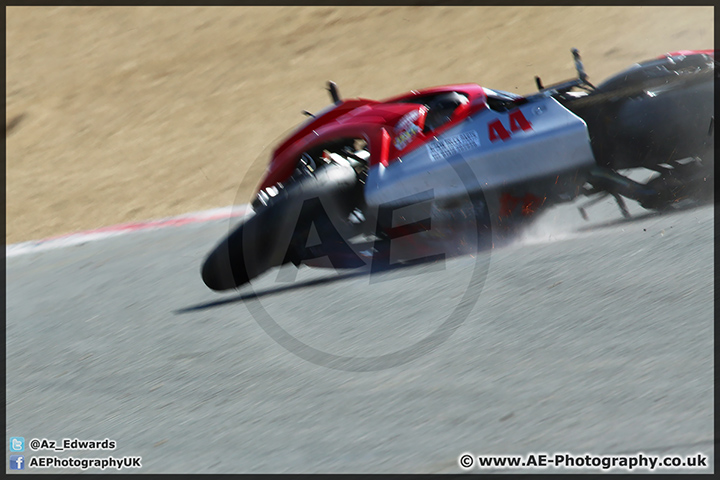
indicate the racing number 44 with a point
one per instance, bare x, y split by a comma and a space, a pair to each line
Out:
518, 122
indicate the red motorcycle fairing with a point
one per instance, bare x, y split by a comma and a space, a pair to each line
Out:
686, 53
530, 153
391, 128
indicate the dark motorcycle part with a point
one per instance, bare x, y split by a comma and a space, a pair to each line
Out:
334, 94
270, 237
652, 113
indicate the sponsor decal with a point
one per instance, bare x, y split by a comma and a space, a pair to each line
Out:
444, 148
407, 120
406, 129
402, 140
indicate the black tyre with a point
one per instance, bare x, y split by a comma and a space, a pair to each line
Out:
269, 238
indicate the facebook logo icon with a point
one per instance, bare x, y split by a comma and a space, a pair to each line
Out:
17, 462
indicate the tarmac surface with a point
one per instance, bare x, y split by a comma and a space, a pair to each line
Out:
583, 337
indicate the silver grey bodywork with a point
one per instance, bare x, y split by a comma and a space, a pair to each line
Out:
557, 143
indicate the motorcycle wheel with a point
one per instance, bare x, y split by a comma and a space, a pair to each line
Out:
268, 238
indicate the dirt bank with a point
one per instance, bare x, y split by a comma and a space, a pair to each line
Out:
119, 114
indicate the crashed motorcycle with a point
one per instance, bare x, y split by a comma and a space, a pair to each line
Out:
379, 184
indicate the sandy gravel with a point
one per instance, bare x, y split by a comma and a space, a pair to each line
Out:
119, 114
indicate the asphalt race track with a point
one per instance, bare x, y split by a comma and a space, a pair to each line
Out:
586, 337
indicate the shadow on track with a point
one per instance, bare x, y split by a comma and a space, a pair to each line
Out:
272, 291
366, 271
642, 216
618, 221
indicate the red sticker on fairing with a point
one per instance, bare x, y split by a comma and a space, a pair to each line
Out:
518, 122
408, 127
529, 204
